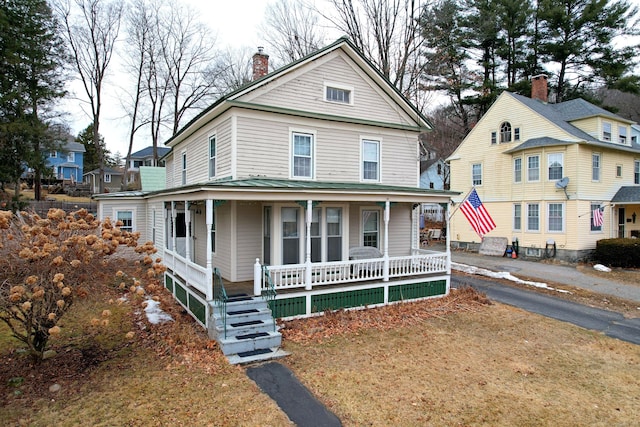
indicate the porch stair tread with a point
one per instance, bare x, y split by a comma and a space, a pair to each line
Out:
257, 356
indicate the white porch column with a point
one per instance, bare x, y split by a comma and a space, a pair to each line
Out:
385, 273
257, 278
307, 272
448, 238
209, 220
174, 215
187, 225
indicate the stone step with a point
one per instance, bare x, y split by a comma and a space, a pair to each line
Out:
249, 342
240, 328
256, 356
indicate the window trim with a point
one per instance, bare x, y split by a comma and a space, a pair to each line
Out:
292, 133
107, 178
517, 173
563, 218
622, 134
593, 168
475, 182
592, 229
619, 170
126, 209
537, 230
636, 171
53, 154
378, 142
513, 217
549, 155
213, 158
494, 137
505, 132
606, 135
379, 212
337, 86
516, 134
71, 157
528, 168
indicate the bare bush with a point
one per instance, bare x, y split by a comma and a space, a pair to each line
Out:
46, 263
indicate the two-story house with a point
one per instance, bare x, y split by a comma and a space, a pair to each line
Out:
305, 183
66, 162
542, 170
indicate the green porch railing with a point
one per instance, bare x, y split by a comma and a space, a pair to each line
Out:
269, 294
220, 298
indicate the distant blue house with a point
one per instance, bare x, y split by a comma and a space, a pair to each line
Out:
67, 162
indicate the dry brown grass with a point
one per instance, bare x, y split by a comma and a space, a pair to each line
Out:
498, 366
451, 361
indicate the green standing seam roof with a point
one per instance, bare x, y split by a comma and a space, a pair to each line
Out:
286, 185
153, 178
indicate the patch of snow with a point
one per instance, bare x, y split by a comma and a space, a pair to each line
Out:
601, 267
155, 313
470, 269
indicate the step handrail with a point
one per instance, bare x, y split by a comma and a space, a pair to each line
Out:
220, 298
269, 293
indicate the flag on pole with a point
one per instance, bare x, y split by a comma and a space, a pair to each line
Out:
598, 217
476, 214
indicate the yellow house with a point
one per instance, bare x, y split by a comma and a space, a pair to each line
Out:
542, 169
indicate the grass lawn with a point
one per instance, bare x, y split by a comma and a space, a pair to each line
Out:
454, 361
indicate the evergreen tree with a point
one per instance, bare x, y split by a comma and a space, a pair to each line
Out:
578, 36
31, 58
91, 154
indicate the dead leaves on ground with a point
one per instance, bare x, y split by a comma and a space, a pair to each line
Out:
342, 322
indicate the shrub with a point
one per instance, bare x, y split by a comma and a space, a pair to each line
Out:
618, 252
46, 263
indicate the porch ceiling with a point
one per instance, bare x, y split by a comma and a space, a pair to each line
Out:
289, 190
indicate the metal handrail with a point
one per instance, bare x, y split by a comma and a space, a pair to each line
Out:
220, 297
269, 293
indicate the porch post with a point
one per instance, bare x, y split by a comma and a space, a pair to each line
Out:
174, 215
209, 219
257, 278
385, 273
187, 226
307, 271
448, 238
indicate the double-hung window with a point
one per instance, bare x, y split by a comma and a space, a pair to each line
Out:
371, 228
476, 174
533, 168
636, 171
555, 166
126, 217
555, 217
107, 178
595, 166
302, 155
517, 169
212, 156
53, 154
71, 157
517, 217
494, 137
606, 131
533, 217
370, 160
594, 227
622, 134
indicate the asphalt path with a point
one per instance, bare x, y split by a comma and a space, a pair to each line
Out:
610, 323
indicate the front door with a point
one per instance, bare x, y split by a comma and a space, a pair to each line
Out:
621, 216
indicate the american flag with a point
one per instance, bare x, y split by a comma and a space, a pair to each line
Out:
476, 214
598, 218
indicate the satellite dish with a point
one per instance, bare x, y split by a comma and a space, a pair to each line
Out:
562, 184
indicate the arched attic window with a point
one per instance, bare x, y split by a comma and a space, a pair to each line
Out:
505, 132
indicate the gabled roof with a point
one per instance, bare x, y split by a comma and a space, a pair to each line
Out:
72, 146
111, 171
342, 43
628, 194
148, 152
562, 114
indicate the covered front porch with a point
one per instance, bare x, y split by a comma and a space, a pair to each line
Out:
336, 248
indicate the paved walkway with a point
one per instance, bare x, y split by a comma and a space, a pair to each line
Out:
565, 274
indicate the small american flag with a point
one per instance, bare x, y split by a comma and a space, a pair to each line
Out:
598, 217
476, 214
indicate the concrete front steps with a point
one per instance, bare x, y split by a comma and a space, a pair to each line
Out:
251, 333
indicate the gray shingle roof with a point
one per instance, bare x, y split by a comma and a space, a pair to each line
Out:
148, 152
629, 194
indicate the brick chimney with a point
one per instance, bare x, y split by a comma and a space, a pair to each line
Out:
260, 63
539, 88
